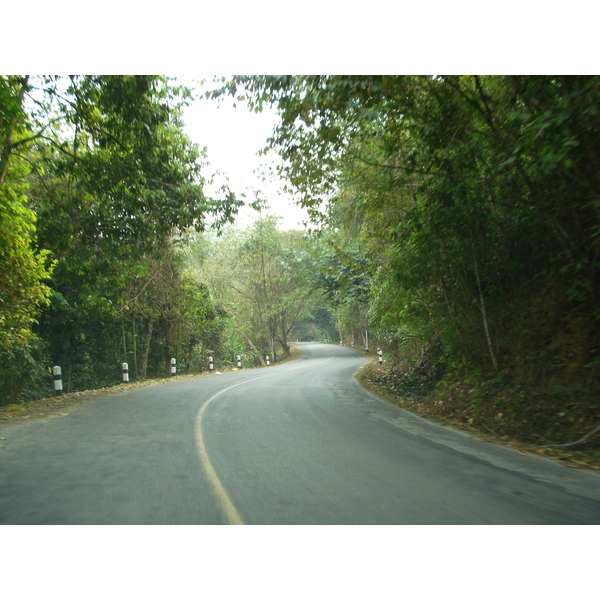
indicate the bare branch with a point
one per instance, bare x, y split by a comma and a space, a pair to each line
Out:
577, 442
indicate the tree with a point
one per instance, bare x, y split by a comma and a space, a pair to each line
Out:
172, 309
262, 277
274, 276
24, 267
95, 173
476, 199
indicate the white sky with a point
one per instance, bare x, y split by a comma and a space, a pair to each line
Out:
233, 137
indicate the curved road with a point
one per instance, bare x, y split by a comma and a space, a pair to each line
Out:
299, 443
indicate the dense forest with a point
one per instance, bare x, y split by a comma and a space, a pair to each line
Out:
462, 214
112, 253
97, 184
454, 218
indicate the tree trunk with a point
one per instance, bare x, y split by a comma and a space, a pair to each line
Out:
124, 341
147, 348
283, 341
135, 364
483, 313
7, 143
254, 349
168, 348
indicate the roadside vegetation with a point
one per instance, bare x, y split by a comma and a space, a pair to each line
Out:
455, 224
462, 215
97, 183
111, 252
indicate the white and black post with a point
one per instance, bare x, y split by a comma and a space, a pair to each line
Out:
173, 367
211, 364
125, 372
380, 354
239, 361
58, 389
268, 363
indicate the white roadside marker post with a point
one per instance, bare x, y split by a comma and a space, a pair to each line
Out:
125, 367
58, 388
173, 366
211, 364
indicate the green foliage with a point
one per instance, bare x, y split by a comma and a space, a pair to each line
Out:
128, 176
263, 279
22, 287
22, 265
24, 268
473, 201
96, 179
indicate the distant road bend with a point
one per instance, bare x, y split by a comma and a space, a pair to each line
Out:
299, 443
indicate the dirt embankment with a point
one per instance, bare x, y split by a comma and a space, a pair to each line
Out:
499, 417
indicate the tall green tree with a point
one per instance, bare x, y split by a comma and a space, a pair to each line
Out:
24, 267
263, 278
476, 198
97, 174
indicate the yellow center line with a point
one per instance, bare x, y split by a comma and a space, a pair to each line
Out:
231, 514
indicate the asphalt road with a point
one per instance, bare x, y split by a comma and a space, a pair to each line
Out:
300, 443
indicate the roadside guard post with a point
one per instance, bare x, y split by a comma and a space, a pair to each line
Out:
380, 354
173, 366
125, 373
239, 361
268, 363
211, 364
58, 389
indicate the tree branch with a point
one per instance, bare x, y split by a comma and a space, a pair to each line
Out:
37, 135
577, 442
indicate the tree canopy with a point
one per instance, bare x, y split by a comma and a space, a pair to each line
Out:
473, 200
455, 219
96, 179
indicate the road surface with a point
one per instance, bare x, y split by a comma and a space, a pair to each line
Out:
299, 443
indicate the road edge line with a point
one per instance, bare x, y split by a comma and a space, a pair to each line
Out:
228, 508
